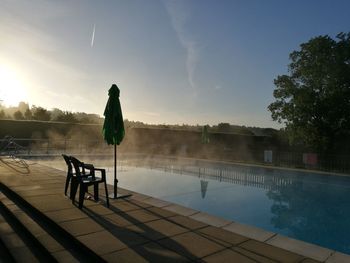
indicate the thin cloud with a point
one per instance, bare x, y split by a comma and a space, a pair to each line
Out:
179, 16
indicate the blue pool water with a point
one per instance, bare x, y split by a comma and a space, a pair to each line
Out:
311, 207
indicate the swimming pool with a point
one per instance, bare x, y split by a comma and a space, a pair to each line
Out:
307, 206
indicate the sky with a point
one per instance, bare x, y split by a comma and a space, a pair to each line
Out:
175, 62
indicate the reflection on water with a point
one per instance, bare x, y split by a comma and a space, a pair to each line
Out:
204, 187
310, 207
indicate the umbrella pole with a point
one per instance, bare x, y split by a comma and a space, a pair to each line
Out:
115, 194
115, 171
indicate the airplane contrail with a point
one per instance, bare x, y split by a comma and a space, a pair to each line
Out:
93, 36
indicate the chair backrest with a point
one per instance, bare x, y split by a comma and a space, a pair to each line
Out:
79, 168
68, 162
78, 165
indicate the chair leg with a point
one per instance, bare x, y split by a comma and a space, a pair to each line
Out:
73, 189
96, 191
82, 192
107, 197
67, 183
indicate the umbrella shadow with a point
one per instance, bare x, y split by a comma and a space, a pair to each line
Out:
139, 248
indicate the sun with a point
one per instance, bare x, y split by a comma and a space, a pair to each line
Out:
12, 88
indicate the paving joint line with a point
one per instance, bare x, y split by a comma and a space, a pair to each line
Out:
269, 238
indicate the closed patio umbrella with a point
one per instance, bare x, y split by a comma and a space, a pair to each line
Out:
113, 127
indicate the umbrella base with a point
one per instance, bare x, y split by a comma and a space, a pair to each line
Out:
119, 196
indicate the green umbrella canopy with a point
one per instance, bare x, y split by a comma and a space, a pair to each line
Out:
113, 126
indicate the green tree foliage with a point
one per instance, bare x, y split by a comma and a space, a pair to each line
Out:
18, 115
55, 113
313, 101
40, 114
28, 114
66, 117
224, 127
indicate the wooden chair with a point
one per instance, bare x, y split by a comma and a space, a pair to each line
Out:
81, 179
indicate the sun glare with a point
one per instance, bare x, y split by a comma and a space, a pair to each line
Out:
12, 89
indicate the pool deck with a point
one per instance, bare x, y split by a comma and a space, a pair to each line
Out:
135, 229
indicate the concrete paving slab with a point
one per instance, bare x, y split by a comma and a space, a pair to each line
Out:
34, 228
102, 242
191, 245
307, 260
140, 216
126, 255
150, 252
40, 192
228, 256
50, 203
249, 231
221, 236
160, 229
12, 240
138, 196
181, 210
161, 212
98, 209
5, 229
26, 188
128, 237
64, 257
118, 206
210, 219
50, 244
300, 247
23, 254
272, 252
256, 257
137, 203
186, 222
81, 226
66, 214
156, 202
338, 257
14, 208
117, 220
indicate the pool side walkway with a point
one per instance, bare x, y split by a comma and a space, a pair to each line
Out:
136, 229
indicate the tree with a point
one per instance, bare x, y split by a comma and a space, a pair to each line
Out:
224, 127
313, 101
40, 114
55, 113
66, 117
18, 115
28, 114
